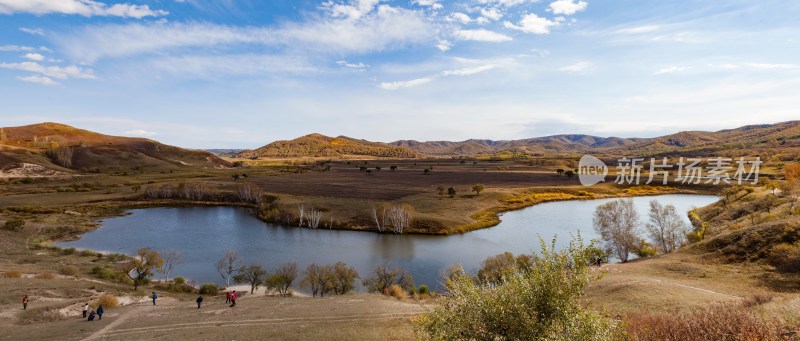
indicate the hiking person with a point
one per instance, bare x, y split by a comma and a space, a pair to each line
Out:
199, 301
85, 309
100, 312
154, 297
227, 297
91, 316
25, 302
599, 262
233, 298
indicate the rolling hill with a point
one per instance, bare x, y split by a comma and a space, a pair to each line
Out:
317, 145
64, 148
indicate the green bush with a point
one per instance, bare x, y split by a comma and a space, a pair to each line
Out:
542, 303
14, 225
208, 289
87, 253
104, 272
423, 290
179, 280
69, 251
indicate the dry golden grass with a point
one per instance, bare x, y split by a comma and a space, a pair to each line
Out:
69, 270
398, 292
12, 274
108, 301
45, 275
718, 322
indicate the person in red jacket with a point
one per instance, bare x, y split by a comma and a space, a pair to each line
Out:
227, 297
233, 298
25, 302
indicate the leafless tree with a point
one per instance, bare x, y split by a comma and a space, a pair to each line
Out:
61, 155
314, 216
302, 212
399, 217
228, 265
249, 192
384, 277
616, 223
666, 228
171, 258
379, 216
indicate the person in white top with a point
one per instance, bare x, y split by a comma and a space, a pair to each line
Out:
85, 309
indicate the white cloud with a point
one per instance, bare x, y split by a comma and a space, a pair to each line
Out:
406, 84
34, 31
568, 7
361, 30
429, 3
85, 8
469, 71
577, 67
671, 69
460, 17
506, 3
38, 80
71, 71
532, 23
353, 66
444, 45
140, 133
491, 13
15, 48
202, 66
34, 56
481, 35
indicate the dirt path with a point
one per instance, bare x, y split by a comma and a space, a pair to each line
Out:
244, 323
117, 321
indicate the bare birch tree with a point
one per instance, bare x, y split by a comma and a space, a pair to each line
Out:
171, 258
400, 217
228, 265
616, 223
302, 212
314, 216
666, 228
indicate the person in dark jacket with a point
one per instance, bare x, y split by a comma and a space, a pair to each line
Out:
100, 312
25, 302
91, 315
199, 301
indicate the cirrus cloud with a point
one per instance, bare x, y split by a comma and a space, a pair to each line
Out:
86, 8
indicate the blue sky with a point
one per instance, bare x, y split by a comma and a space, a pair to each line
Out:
241, 73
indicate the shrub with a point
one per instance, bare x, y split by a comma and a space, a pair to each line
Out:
644, 249
208, 289
13, 274
69, 251
45, 275
179, 280
398, 292
542, 303
423, 290
104, 272
722, 322
70, 270
87, 253
107, 301
785, 257
14, 225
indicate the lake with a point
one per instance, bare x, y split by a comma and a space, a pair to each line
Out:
204, 234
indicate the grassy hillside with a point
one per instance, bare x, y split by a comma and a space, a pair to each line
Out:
317, 145
64, 148
784, 136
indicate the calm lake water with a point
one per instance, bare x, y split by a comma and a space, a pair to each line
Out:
203, 234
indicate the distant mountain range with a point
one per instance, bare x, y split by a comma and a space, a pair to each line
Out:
64, 148
316, 145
